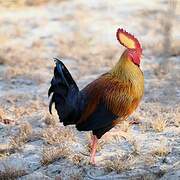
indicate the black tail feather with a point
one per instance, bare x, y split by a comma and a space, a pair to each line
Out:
51, 103
65, 93
67, 78
51, 90
60, 70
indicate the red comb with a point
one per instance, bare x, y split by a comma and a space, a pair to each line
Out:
130, 37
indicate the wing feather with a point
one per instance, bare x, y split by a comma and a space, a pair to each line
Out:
108, 99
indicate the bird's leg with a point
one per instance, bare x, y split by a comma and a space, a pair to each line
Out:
93, 149
91, 143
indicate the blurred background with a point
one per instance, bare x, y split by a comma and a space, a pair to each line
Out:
82, 34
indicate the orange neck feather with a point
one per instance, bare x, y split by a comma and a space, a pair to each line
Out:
125, 69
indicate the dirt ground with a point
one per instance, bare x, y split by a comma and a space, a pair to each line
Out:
34, 145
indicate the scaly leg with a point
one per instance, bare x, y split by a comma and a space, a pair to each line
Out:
93, 149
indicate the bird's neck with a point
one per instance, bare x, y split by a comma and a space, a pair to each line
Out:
125, 69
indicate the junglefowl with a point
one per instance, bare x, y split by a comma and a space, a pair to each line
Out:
106, 101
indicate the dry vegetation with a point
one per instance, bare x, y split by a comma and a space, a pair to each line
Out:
22, 3
58, 135
120, 163
78, 159
167, 20
1, 114
23, 136
161, 151
51, 154
177, 121
145, 126
159, 124
125, 126
106, 56
50, 120
22, 105
58, 140
4, 120
74, 175
10, 173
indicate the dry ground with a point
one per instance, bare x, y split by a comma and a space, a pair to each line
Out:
34, 144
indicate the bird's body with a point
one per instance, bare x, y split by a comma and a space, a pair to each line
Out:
104, 102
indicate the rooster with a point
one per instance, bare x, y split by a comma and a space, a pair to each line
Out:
106, 101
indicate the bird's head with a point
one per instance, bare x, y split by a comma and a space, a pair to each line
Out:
134, 50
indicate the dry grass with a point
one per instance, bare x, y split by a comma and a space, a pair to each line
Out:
10, 173
123, 130
161, 151
24, 134
146, 177
166, 22
176, 119
119, 163
14, 72
117, 136
23, 105
51, 154
26, 67
145, 126
50, 120
125, 126
2, 114
147, 159
77, 159
136, 148
71, 175
77, 176
25, 59
17, 72
105, 54
159, 124
58, 135
127, 162
22, 3
4, 150
5, 120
